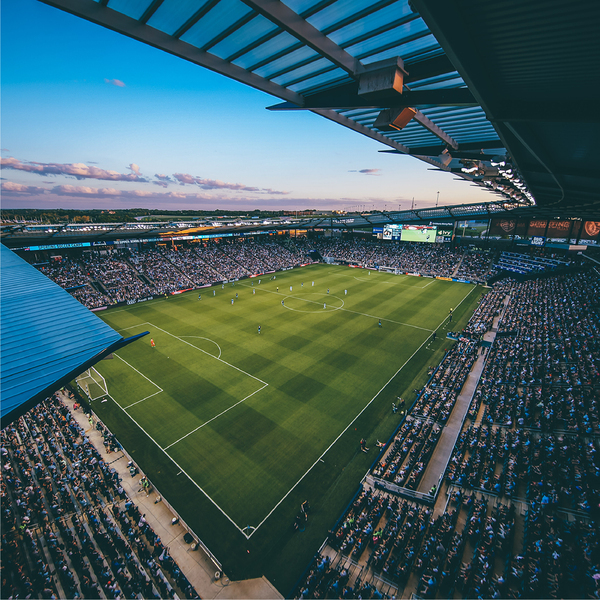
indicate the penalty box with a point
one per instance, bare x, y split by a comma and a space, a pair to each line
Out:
177, 387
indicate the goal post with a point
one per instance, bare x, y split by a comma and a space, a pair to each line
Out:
92, 384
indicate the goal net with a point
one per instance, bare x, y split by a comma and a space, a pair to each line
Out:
92, 384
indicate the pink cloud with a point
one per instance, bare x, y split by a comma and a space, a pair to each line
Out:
215, 184
77, 170
18, 188
116, 82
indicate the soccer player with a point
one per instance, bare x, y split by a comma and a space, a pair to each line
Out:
282, 304
379, 322
324, 305
434, 335
290, 288
214, 293
259, 330
277, 288
232, 301
328, 290
302, 284
199, 296
253, 292
313, 284
152, 344
236, 295
222, 286
345, 292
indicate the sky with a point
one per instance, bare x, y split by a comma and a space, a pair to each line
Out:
93, 119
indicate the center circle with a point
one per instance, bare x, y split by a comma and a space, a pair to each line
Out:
312, 304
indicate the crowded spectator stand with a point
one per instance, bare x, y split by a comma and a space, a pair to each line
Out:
517, 512
69, 530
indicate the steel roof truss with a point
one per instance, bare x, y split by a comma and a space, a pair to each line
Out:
295, 25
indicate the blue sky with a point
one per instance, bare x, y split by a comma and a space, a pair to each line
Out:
92, 119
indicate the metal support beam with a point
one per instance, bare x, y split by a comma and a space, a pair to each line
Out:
437, 150
295, 25
346, 97
433, 128
350, 124
111, 19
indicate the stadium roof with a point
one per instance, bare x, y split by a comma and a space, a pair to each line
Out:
47, 337
503, 94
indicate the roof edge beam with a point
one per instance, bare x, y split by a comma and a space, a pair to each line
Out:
346, 97
354, 126
111, 19
433, 128
290, 21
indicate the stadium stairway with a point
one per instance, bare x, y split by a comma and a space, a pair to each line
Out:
455, 272
195, 565
451, 430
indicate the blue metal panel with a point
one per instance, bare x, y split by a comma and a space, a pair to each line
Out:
172, 14
222, 16
45, 332
132, 8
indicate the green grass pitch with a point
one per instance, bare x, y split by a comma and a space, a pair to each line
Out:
240, 422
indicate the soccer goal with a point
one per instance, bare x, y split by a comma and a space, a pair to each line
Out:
92, 384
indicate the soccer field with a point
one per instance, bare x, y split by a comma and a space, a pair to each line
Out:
245, 416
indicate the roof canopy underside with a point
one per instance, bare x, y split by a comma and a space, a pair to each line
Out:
461, 86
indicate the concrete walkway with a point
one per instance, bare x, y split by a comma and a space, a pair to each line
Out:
197, 566
445, 446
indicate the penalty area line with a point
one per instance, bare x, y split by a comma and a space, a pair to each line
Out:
140, 373
181, 469
208, 354
338, 437
217, 416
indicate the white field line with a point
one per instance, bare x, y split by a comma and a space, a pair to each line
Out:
350, 424
216, 417
181, 469
419, 287
209, 354
160, 390
347, 310
133, 326
142, 400
205, 338
340, 435
140, 373
310, 468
